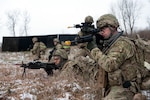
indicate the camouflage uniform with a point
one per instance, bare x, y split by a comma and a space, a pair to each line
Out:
57, 46
38, 49
120, 63
89, 45
64, 62
63, 57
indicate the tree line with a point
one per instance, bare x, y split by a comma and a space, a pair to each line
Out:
128, 12
13, 18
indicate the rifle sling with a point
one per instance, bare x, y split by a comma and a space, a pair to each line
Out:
112, 42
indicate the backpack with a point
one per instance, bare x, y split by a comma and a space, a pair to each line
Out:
143, 50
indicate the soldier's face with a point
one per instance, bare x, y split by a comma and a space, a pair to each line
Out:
105, 32
55, 43
57, 60
33, 41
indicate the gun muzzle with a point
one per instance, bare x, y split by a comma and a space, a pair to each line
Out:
70, 27
76, 26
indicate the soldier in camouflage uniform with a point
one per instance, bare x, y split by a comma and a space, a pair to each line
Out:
83, 32
57, 45
60, 58
38, 49
88, 20
81, 66
119, 61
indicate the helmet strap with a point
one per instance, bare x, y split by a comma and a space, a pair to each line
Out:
111, 31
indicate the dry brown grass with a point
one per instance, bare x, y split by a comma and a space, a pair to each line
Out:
37, 84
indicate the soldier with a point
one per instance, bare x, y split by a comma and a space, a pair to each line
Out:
82, 66
87, 30
88, 21
119, 61
57, 45
60, 58
38, 49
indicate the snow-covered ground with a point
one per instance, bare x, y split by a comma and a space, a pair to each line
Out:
35, 84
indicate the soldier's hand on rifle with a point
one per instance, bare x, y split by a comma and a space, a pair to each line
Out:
95, 53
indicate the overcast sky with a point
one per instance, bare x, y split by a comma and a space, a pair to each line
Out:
54, 16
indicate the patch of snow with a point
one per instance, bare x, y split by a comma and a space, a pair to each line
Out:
147, 65
76, 87
67, 96
27, 95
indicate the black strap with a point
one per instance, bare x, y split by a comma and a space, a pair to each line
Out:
116, 37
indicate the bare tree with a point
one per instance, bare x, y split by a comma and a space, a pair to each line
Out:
13, 17
128, 12
26, 21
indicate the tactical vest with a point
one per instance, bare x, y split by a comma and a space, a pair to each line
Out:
130, 71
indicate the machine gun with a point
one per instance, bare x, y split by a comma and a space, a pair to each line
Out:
48, 67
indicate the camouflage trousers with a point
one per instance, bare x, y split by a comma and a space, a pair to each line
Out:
37, 53
119, 93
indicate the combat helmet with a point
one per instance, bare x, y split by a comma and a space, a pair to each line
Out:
56, 40
107, 19
34, 39
88, 19
61, 52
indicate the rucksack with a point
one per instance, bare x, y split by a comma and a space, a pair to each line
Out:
143, 50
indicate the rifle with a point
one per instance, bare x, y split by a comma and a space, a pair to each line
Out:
89, 32
48, 67
51, 54
30, 47
83, 39
86, 28
82, 25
